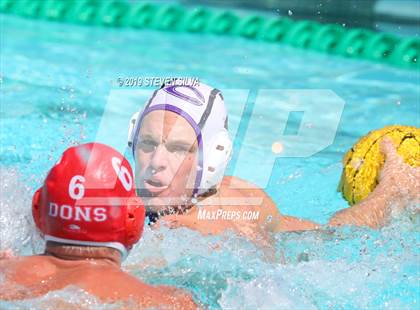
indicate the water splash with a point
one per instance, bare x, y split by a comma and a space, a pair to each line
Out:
17, 229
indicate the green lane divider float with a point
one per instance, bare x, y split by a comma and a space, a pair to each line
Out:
327, 38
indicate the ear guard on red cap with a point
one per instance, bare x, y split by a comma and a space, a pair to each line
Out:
36, 208
134, 221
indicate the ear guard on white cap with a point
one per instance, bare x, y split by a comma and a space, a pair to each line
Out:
217, 157
131, 129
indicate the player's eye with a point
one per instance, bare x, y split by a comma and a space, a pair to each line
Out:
178, 148
148, 145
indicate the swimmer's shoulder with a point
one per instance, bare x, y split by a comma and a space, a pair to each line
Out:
232, 185
24, 271
230, 182
126, 287
236, 187
25, 262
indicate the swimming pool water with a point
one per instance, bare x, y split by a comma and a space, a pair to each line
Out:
58, 87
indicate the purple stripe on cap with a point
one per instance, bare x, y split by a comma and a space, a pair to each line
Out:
173, 90
194, 125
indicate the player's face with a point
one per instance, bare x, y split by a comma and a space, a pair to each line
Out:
166, 160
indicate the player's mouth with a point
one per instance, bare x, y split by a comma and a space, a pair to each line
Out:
154, 186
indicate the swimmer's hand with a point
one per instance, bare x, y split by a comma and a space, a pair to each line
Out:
398, 188
398, 178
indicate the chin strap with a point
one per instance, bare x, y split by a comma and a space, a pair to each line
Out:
152, 216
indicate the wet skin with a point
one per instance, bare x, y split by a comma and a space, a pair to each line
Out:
33, 276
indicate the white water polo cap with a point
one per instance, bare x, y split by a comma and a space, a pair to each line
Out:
203, 108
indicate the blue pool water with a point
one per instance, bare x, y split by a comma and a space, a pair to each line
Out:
58, 88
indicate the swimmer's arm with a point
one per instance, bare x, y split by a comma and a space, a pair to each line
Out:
270, 219
371, 212
285, 223
290, 223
